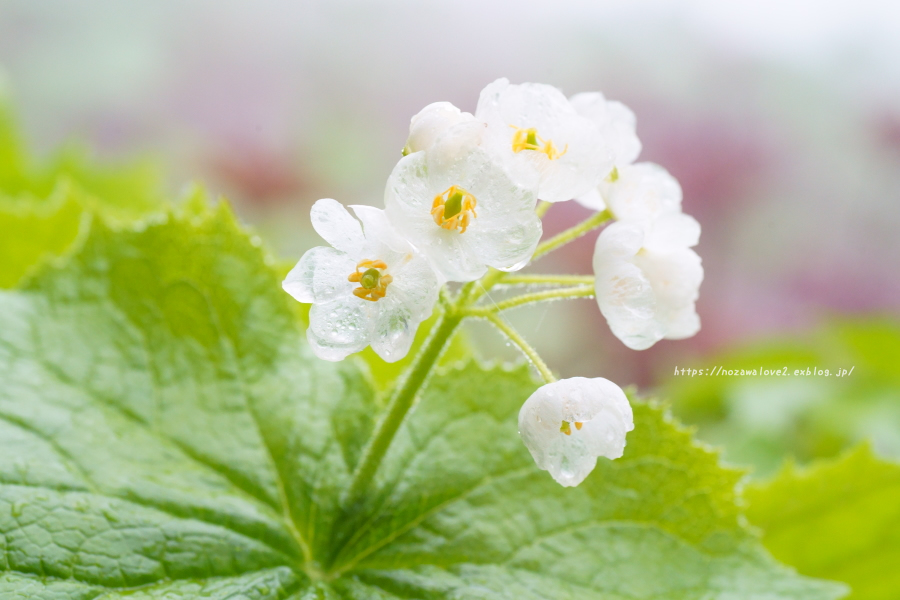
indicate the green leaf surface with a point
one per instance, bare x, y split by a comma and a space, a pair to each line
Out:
35, 231
166, 433
839, 519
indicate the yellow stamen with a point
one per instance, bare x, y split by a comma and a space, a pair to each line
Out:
372, 279
454, 208
566, 427
528, 139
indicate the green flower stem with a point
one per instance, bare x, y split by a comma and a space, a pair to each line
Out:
542, 208
579, 291
548, 280
572, 233
471, 292
524, 346
401, 400
444, 298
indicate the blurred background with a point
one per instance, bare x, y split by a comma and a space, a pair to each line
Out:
781, 119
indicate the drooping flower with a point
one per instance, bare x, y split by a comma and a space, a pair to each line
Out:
542, 140
430, 122
568, 424
458, 206
370, 288
647, 279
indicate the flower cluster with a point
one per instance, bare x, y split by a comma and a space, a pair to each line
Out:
462, 205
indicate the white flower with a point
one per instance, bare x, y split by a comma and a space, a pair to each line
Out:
542, 140
371, 288
647, 279
616, 123
617, 126
430, 122
458, 207
639, 191
567, 424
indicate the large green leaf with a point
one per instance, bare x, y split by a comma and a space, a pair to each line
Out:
166, 433
839, 519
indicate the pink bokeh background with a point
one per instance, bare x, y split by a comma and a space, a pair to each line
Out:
781, 120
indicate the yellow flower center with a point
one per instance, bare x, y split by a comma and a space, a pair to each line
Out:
566, 427
372, 280
454, 208
528, 139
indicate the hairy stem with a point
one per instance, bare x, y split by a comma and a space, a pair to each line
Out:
471, 292
401, 400
524, 346
571, 234
548, 280
579, 291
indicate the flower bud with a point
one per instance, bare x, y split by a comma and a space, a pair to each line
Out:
430, 123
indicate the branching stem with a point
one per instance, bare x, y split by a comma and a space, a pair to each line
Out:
579, 291
471, 292
516, 338
548, 280
406, 390
571, 234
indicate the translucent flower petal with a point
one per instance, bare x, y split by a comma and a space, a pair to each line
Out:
683, 322
337, 226
628, 302
416, 285
671, 232
408, 197
581, 156
675, 277
351, 310
648, 293
641, 191
506, 245
392, 329
320, 276
431, 122
338, 328
584, 164
452, 258
379, 230
504, 229
592, 200
616, 123
454, 147
568, 424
